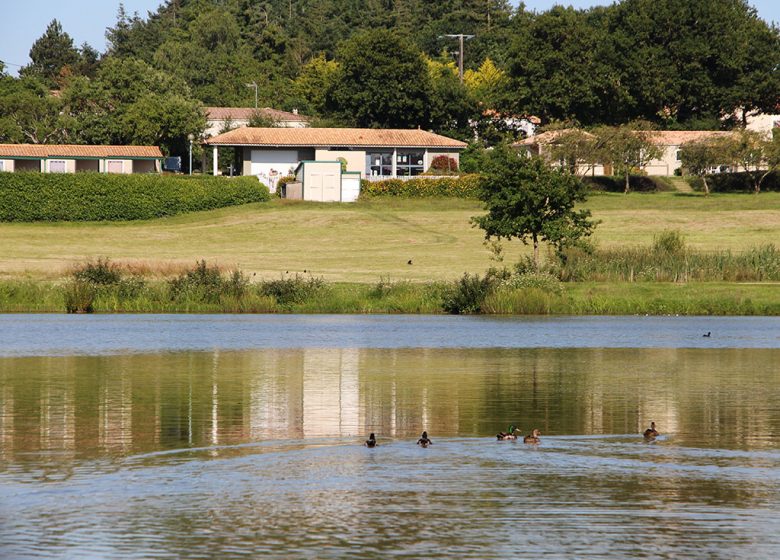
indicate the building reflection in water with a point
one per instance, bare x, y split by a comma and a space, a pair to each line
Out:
119, 405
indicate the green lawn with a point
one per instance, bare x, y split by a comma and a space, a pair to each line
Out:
366, 241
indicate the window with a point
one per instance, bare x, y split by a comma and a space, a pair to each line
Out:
679, 155
1, 166
379, 163
114, 166
409, 163
57, 166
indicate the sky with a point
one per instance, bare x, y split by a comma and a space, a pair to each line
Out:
86, 20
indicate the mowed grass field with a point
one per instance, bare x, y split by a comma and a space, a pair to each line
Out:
366, 241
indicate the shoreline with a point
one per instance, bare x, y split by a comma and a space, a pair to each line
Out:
406, 298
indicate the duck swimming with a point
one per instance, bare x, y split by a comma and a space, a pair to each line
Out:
651, 432
424, 441
533, 437
371, 441
509, 435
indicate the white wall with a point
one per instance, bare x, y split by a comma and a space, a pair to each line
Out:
270, 165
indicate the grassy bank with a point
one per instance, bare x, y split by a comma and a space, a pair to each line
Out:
369, 240
586, 298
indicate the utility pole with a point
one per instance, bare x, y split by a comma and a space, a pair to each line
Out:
254, 85
461, 37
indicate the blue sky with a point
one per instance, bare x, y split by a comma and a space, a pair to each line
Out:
86, 20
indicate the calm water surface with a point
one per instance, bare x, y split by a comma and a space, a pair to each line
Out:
215, 437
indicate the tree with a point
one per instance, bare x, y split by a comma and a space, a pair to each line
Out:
699, 157
382, 81
52, 52
574, 149
756, 153
628, 147
526, 198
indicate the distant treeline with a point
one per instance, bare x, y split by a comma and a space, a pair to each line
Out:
678, 63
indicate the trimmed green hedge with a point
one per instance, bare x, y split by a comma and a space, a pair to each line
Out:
637, 183
735, 183
32, 197
464, 186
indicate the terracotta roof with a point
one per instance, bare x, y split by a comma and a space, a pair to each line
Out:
327, 137
246, 113
547, 137
76, 150
680, 137
663, 138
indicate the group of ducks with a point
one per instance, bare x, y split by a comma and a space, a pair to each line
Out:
533, 438
511, 434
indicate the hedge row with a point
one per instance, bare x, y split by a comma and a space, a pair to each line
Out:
735, 183
31, 197
637, 183
464, 186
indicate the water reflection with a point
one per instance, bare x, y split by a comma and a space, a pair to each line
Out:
118, 405
227, 453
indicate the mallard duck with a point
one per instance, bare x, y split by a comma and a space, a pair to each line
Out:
533, 437
510, 434
371, 441
651, 432
424, 441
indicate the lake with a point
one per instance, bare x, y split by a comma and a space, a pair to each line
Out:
168, 436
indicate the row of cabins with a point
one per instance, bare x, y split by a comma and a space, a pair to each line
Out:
70, 158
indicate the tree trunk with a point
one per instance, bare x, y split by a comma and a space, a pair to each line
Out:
536, 252
627, 176
706, 186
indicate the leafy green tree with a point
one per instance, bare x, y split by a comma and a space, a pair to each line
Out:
574, 149
382, 81
316, 77
756, 153
30, 114
450, 108
628, 148
50, 54
527, 199
700, 157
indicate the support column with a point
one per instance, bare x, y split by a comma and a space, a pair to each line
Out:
395, 160
215, 163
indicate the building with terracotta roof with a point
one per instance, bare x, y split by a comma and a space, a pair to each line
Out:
218, 118
270, 153
671, 141
73, 158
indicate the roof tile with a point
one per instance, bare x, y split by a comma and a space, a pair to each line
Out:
76, 150
327, 137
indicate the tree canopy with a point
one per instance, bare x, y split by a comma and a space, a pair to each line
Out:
528, 199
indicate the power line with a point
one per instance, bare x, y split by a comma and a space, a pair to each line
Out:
460, 37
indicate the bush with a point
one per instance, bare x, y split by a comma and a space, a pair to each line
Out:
638, 183
205, 283
293, 289
542, 281
464, 186
100, 273
282, 183
468, 294
30, 197
735, 183
80, 297
669, 242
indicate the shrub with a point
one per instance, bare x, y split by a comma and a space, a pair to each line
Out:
293, 289
100, 273
669, 242
464, 186
205, 283
638, 183
467, 294
30, 197
735, 183
542, 281
80, 297
282, 183
443, 165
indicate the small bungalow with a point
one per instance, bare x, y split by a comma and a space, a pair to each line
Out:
669, 141
218, 118
271, 153
74, 158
